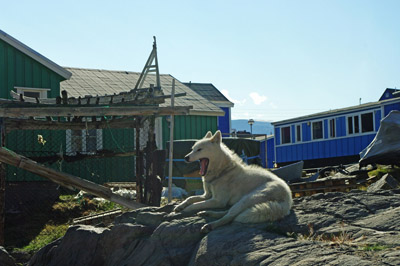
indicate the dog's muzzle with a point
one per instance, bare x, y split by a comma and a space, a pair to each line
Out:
187, 159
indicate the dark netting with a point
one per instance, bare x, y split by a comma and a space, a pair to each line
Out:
99, 155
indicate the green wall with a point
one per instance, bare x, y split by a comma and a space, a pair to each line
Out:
18, 69
189, 127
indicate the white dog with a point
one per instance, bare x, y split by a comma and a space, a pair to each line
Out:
253, 194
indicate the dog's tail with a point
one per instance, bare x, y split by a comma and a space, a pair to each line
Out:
266, 211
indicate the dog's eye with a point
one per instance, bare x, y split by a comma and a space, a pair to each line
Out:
198, 149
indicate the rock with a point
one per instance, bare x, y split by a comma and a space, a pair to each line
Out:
5, 258
355, 228
386, 182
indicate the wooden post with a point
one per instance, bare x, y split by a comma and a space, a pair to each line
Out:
139, 162
64, 179
2, 185
171, 143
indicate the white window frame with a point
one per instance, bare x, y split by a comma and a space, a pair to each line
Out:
99, 141
42, 92
330, 127
360, 123
301, 133
312, 129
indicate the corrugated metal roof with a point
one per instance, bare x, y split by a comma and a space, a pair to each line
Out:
208, 91
107, 82
34, 55
336, 112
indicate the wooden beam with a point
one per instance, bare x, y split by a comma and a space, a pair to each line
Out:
18, 112
64, 179
30, 124
138, 97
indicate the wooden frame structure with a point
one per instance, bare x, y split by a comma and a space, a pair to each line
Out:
126, 110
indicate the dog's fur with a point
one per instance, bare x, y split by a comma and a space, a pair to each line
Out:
253, 194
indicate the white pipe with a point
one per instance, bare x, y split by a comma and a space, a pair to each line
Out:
171, 143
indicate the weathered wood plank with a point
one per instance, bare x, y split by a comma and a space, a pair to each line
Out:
65, 111
12, 158
30, 124
132, 97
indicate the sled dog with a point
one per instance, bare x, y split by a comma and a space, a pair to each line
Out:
251, 193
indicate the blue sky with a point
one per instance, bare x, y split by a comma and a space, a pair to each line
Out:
274, 59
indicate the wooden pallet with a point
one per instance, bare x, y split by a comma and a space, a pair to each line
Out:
104, 217
322, 186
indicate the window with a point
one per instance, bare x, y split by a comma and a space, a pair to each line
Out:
86, 141
32, 92
317, 130
356, 125
367, 122
332, 128
285, 133
298, 133
350, 124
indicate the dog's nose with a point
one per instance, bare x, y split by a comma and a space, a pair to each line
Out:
187, 158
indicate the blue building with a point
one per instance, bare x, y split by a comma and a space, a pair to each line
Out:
331, 137
211, 93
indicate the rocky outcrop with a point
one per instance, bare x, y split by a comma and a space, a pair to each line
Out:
385, 182
355, 228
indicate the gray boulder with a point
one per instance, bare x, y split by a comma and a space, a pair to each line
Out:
355, 228
386, 182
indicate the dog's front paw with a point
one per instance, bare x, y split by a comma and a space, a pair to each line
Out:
206, 228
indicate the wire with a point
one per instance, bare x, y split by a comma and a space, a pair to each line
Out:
112, 136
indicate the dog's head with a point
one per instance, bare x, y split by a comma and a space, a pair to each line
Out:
205, 150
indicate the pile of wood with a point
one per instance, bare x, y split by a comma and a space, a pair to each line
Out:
323, 186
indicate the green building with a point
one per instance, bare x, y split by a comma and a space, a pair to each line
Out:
31, 74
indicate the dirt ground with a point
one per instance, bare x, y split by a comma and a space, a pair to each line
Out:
28, 209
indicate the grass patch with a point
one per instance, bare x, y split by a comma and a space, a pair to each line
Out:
373, 247
343, 238
50, 224
382, 170
49, 234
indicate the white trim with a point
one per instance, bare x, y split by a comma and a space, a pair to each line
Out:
158, 132
339, 112
206, 113
222, 103
320, 140
295, 133
336, 127
335, 119
68, 137
42, 91
230, 120
99, 139
31, 88
360, 123
68, 140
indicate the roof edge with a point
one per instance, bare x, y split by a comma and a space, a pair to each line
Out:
336, 111
204, 113
35, 55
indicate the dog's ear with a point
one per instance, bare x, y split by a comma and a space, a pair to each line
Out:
208, 135
217, 138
